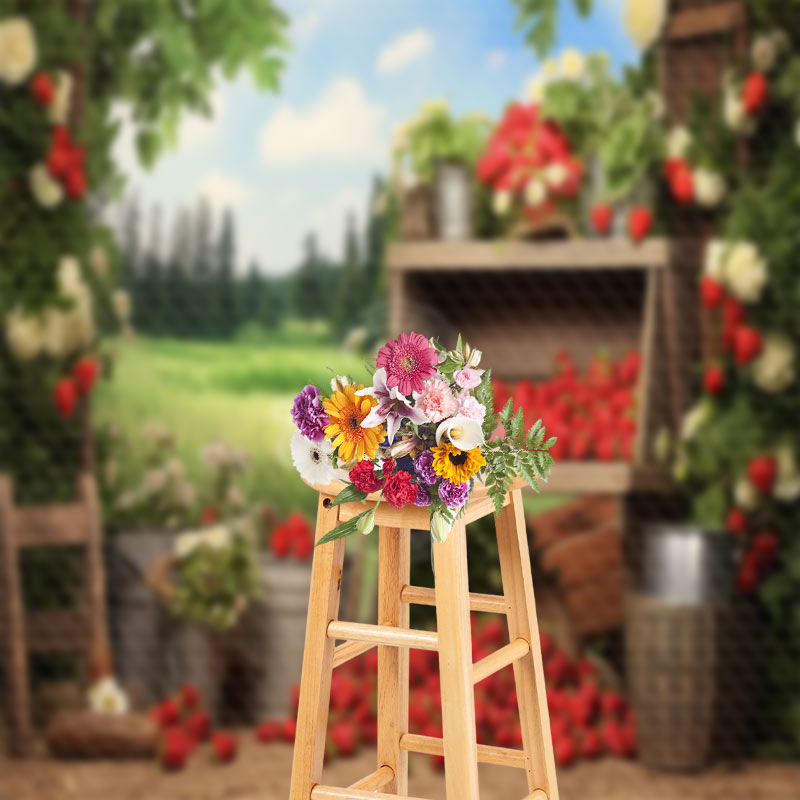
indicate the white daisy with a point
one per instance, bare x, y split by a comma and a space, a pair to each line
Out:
312, 459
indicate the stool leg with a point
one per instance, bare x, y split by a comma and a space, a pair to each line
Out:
455, 666
515, 567
315, 684
393, 575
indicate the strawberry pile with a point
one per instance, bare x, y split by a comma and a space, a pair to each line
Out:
184, 726
586, 721
593, 414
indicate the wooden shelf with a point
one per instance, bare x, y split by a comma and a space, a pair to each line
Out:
503, 254
606, 477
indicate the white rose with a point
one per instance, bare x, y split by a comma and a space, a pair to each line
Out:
98, 260
121, 303
23, 335
58, 111
736, 117
70, 279
555, 174
709, 187
501, 202
714, 260
745, 494
694, 419
46, 191
644, 20
764, 53
746, 272
535, 192
678, 141
787, 484
55, 336
17, 50
572, 64
774, 369
108, 697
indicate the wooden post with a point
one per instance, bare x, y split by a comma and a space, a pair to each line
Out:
455, 665
394, 547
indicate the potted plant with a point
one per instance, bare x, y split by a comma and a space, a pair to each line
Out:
439, 151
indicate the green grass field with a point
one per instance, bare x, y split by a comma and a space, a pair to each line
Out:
239, 391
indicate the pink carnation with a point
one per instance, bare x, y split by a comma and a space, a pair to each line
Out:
437, 401
468, 378
408, 361
468, 406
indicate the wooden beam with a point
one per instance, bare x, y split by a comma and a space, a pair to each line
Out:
378, 634
487, 754
348, 651
375, 780
494, 662
422, 596
334, 793
51, 526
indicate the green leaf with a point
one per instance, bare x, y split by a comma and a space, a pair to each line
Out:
348, 495
345, 529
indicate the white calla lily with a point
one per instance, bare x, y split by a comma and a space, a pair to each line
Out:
463, 432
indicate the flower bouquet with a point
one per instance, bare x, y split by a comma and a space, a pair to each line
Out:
422, 434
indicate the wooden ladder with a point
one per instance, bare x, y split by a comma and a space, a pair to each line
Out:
82, 631
452, 640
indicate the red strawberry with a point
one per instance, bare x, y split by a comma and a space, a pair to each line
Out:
765, 547
75, 183
198, 725
612, 703
559, 727
736, 521
289, 730
558, 669
579, 447
85, 373
494, 632
344, 693
224, 746
762, 471
714, 379
681, 184
711, 292
629, 367
65, 397
565, 751
591, 743
42, 89
176, 746
343, 735
369, 732
747, 344
628, 740
640, 221
189, 696
602, 217
613, 737
545, 644
169, 713
755, 92
605, 448
268, 731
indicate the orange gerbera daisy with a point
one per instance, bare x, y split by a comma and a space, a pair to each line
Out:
346, 412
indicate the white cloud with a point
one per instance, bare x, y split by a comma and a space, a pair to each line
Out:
329, 220
496, 59
404, 50
341, 125
198, 129
223, 190
306, 25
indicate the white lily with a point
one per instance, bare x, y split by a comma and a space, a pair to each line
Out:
108, 697
463, 432
440, 528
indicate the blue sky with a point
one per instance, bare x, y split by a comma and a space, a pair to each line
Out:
302, 159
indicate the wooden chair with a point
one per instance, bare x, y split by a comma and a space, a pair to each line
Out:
452, 640
83, 630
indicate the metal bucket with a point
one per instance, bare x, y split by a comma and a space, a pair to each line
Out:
686, 565
453, 201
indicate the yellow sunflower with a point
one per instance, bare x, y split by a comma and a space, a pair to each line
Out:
346, 412
457, 466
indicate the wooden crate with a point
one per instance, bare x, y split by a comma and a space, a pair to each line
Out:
522, 302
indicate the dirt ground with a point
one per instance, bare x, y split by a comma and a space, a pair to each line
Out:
261, 772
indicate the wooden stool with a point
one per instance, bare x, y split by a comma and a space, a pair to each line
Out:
392, 635
83, 630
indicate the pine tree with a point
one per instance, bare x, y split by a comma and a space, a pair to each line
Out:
373, 300
225, 300
348, 296
203, 309
250, 293
178, 289
309, 298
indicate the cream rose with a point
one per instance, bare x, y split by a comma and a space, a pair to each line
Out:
745, 494
17, 50
501, 202
535, 192
23, 335
787, 485
572, 64
736, 118
98, 260
709, 187
46, 191
644, 20
678, 141
774, 370
58, 111
746, 272
555, 174
714, 260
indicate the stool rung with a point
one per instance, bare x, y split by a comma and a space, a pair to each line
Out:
348, 651
334, 793
422, 596
375, 780
494, 662
487, 754
383, 635
539, 794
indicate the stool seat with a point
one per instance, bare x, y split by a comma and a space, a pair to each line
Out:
452, 641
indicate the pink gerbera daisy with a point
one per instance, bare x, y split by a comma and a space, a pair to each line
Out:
408, 361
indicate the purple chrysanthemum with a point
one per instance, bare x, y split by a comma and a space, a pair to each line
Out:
454, 495
423, 498
308, 414
423, 466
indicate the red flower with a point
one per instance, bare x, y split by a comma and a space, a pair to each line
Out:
189, 695
85, 373
755, 92
749, 573
762, 471
765, 546
399, 490
209, 515
565, 750
747, 344
42, 89
364, 478
714, 379
640, 221
344, 737
268, 731
388, 467
75, 183
681, 184
166, 714
591, 744
224, 746
65, 397
711, 292
281, 541
736, 521
176, 747
289, 730
602, 217
198, 725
